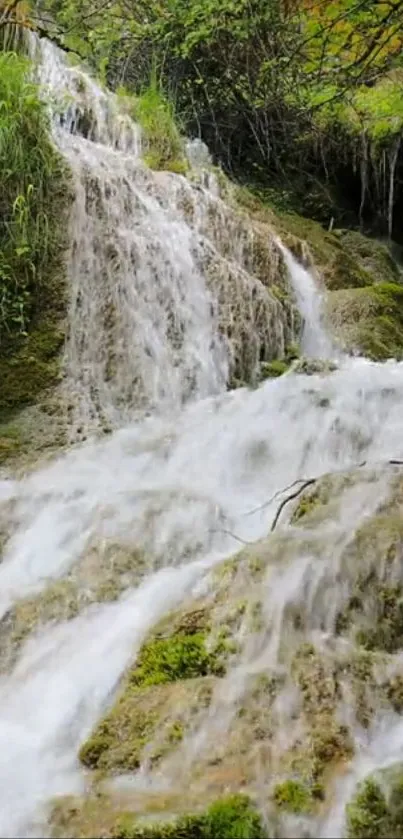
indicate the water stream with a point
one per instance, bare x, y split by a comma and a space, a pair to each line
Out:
186, 461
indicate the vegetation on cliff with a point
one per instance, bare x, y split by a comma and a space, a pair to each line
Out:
303, 96
34, 195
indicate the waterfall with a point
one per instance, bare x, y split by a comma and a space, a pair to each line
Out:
315, 342
190, 472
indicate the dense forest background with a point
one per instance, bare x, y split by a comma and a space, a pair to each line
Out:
301, 100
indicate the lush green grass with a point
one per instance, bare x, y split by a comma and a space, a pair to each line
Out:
163, 142
30, 172
34, 199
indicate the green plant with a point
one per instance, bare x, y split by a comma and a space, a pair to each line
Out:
293, 796
233, 817
163, 142
30, 174
367, 813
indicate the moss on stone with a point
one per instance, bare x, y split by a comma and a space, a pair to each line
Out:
273, 369
386, 629
309, 501
394, 692
59, 601
328, 741
143, 705
372, 255
341, 266
293, 796
369, 320
179, 657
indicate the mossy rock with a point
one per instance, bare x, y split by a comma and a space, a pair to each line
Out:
373, 256
144, 723
307, 504
174, 667
232, 817
322, 496
327, 742
373, 611
344, 259
273, 369
369, 320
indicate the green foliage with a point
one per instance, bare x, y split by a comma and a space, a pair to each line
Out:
367, 813
279, 91
30, 178
118, 740
374, 812
163, 142
233, 817
293, 796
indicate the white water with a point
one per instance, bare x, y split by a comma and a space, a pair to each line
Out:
176, 483
315, 342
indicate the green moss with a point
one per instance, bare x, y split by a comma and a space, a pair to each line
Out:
373, 256
386, 629
32, 364
179, 657
344, 259
155, 161
328, 741
142, 705
310, 500
273, 369
370, 320
11, 441
126, 743
233, 817
293, 796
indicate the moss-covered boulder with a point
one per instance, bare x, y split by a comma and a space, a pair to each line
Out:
369, 320
171, 671
343, 258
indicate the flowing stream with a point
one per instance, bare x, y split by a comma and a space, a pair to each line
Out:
188, 467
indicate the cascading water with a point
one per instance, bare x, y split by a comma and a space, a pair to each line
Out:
315, 341
184, 485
